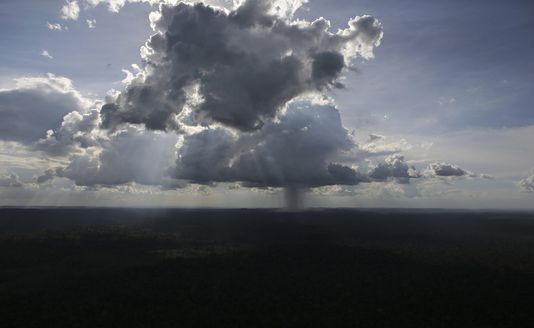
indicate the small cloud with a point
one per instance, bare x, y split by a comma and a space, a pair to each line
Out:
426, 145
48, 175
447, 170
71, 10
56, 27
46, 54
373, 137
394, 167
91, 23
527, 184
443, 101
10, 180
377, 145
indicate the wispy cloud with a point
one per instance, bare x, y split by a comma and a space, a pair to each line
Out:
56, 27
46, 54
91, 23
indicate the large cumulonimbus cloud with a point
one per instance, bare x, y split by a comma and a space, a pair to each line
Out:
224, 96
245, 65
228, 80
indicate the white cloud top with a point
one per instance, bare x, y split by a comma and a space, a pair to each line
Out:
46, 54
71, 10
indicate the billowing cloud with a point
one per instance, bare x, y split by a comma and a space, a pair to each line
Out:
71, 10
394, 167
77, 131
130, 155
527, 184
35, 105
10, 180
245, 64
300, 149
222, 79
226, 89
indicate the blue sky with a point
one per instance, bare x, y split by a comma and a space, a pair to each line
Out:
452, 82
464, 64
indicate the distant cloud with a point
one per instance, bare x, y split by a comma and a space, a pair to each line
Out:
10, 180
91, 23
440, 169
527, 184
445, 170
378, 145
57, 27
71, 10
46, 54
48, 175
394, 167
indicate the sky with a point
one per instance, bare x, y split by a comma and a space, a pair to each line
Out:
267, 103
